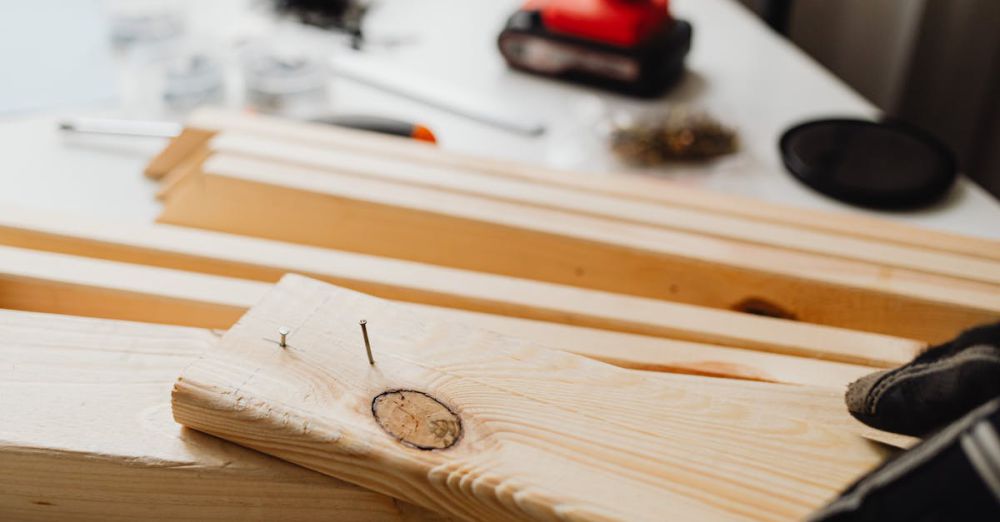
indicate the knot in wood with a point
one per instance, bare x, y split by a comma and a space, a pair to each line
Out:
416, 419
759, 306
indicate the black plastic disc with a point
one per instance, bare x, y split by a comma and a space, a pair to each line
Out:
886, 165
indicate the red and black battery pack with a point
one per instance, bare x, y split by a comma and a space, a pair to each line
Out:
628, 46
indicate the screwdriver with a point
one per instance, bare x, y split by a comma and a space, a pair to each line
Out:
169, 129
382, 125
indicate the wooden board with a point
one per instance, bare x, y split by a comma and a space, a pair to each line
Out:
248, 258
87, 435
636, 187
430, 226
345, 162
57, 283
37, 281
509, 431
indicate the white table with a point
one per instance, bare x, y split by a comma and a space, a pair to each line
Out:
738, 69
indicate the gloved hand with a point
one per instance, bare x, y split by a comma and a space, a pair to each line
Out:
954, 474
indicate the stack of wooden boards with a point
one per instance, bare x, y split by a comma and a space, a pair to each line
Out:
781, 307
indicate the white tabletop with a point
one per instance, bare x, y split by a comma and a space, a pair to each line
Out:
738, 70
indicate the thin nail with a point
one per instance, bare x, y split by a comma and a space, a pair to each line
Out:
283, 332
368, 345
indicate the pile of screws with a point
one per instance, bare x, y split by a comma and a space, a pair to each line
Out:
678, 134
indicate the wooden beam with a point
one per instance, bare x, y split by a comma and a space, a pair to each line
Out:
88, 435
539, 433
343, 162
116, 454
429, 226
630, 186
57, 283
236, 256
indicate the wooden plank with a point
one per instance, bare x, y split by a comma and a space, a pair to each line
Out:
236, 256
429, 226
813, 403
177, 151
635, 187
514, 432
38, 281
342, 161
87, 435
57, 283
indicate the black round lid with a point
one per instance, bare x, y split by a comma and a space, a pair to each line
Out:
886, 165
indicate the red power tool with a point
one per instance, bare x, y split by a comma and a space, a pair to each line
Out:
629, 46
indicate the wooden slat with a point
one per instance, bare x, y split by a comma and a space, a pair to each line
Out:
57, 283
521, 432
342, 161
87, 435
266, 199
248, 258
630, 186
38, 281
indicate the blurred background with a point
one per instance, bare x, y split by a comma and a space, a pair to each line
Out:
935, 63
747, 71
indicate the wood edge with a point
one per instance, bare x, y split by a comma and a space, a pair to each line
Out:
188, 167
176, 151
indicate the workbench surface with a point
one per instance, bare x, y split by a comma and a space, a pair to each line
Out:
739, 70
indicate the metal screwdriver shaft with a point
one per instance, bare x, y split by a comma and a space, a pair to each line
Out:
368, 345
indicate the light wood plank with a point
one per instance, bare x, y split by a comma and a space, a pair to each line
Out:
236, 256
524, 433
429, 226
631, 186
341, 161
88, 435
57, 283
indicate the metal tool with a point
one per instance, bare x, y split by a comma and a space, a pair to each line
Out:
169, 129
390, 78
142, 128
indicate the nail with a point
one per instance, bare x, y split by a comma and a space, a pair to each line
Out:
368, 345
283, 332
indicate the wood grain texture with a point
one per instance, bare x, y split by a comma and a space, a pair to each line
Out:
472, 233
545, 435
629, 186
345, 162
57, 283
248, 258
87, 435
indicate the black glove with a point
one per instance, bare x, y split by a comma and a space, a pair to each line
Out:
953, 475
937, 387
